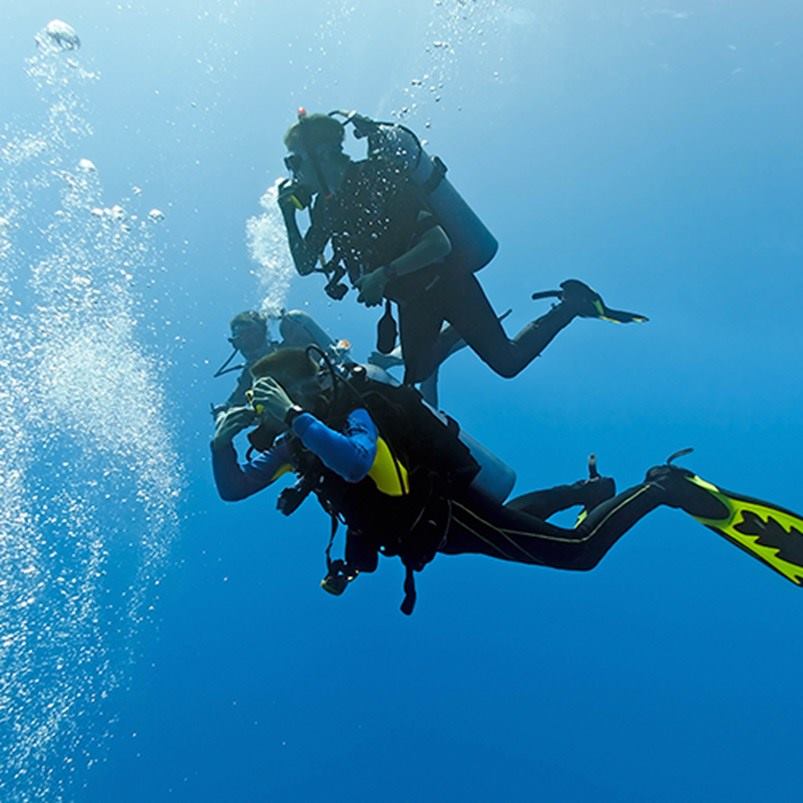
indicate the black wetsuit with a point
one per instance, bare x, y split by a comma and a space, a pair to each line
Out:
376, 216
441, 513
518, 531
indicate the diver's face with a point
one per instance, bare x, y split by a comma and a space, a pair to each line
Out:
301, 163
247, 337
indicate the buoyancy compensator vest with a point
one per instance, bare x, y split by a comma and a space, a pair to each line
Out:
473, 245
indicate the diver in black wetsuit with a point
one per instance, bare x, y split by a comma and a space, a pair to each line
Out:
406, 485
393, 248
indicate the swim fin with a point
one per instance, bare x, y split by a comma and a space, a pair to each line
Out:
768, 532
590, 302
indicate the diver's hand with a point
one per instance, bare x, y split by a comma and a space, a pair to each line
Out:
372, 287
230, 423
287, 198
270, 398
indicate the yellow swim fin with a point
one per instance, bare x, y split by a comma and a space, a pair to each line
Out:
764, 530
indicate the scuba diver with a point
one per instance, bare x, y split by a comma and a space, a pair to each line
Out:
406, 483
249, 337
400, 231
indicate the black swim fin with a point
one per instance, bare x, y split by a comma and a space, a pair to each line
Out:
591, 302
768, 532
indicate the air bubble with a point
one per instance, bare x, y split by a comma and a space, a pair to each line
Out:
58, 35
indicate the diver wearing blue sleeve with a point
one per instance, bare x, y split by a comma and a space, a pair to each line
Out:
349, 454
235, 482
402, 482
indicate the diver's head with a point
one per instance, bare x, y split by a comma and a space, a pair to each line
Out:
295, 371
315, 152
249, 334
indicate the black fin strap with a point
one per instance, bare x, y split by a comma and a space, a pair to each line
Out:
408, 603
435, 177
332, 534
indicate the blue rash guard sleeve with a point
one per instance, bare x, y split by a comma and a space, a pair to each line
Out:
235, 482
350, 453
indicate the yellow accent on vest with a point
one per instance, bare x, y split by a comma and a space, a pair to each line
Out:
281, 471
388, 474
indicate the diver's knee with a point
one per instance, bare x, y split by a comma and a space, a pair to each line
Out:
506, 369
585, 563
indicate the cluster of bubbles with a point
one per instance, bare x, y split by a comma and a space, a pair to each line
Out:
460, 34
267, 246
89, 475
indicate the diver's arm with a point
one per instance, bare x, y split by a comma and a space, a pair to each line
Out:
350, 453
237, 396
433, 246
305, 249
235, 482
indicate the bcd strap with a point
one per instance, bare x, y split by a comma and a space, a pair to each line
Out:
435, 177
408, 603
339, 573
332, 534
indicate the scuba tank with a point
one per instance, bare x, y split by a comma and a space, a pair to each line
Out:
300, 329
495, 479
297, 328
473, 245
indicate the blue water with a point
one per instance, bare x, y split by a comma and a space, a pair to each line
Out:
157, 644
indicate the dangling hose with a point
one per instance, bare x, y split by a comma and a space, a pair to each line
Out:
224, 370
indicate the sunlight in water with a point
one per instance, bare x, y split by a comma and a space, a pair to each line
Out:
89, 474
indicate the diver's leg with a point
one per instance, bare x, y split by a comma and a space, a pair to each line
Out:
449, 342
467, 308
502, 532
545, 503
419, 324
429, 389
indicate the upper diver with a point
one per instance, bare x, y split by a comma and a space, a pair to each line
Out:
402, 233
249, 337
407, 482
